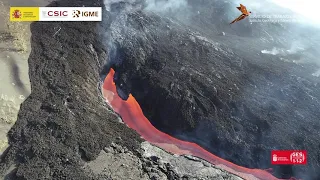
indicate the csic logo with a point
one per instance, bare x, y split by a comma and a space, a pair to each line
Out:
16, 14
77, 13
55, 13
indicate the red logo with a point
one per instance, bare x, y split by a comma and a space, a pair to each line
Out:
289, 157
57, 13
16, 14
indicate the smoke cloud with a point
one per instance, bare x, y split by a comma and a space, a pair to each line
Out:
296, 47
274, 51
165, 5
151, 5
317, 74
302, 37
307, 8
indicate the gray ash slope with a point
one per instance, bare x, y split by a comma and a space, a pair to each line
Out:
221, 91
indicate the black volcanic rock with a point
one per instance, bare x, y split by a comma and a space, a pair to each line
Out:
219, 91
64, 122
66, 130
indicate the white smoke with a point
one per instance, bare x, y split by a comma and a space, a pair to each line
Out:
307, 8
316, 74
165, 5
129, 4
296, 47
153, 5
273, 51
108, 3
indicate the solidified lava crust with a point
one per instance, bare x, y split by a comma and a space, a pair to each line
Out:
221, 92
64, 123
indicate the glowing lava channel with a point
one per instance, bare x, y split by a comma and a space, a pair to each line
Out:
133, 116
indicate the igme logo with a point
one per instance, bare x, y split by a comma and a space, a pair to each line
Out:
78, 13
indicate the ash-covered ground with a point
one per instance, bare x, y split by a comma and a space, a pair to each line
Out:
238, 90
66, 130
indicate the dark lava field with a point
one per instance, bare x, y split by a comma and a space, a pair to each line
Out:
200, 79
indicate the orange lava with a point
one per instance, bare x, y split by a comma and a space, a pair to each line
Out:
133, 116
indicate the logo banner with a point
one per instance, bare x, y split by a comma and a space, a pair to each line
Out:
55, 13
24, 14
293, 157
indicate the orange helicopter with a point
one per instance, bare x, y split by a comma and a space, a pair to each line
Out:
244, 14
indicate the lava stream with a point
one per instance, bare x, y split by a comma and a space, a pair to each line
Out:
133, 116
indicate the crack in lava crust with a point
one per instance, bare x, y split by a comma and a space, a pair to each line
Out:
133, 116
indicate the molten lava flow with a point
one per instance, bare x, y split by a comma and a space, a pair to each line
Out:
133, 116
